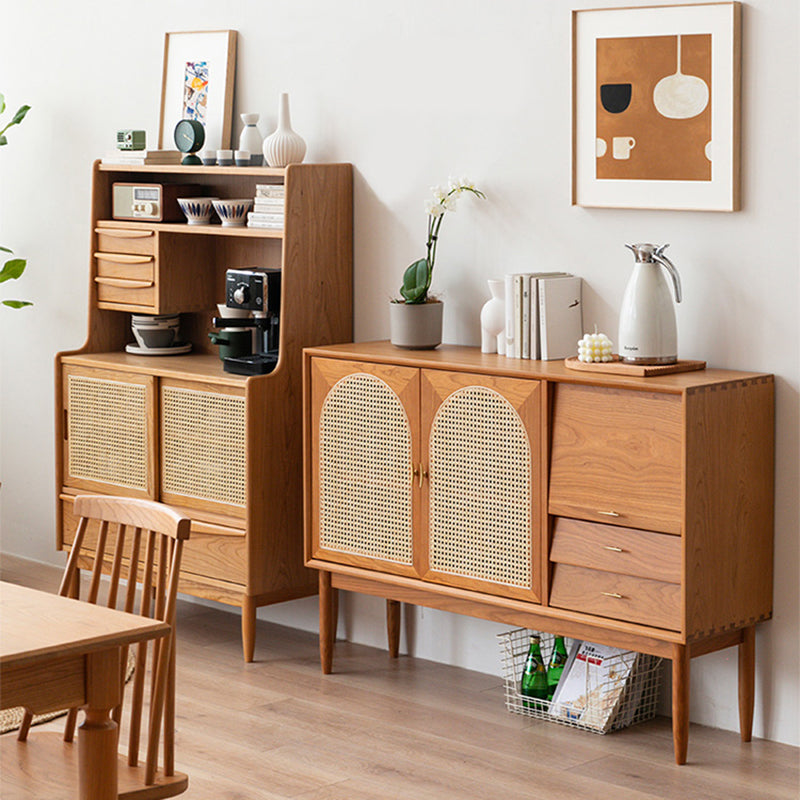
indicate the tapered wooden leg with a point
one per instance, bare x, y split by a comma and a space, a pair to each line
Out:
680, 701
393, 626
326, 621
747, 682
249, 628
335, 612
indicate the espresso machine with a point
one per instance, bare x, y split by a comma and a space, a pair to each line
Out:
257, 289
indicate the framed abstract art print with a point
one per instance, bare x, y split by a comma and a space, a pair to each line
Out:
197, 84
656, 104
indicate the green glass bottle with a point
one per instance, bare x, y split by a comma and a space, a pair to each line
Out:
534, 676
556, 666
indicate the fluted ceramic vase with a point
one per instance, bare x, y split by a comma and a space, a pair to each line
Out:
284, 146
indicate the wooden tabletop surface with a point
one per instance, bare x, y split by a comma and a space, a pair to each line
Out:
35, 625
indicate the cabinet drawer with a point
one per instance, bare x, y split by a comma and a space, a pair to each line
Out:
126, 240
616, 456
126, 267
116, 292
614, 549
622, 597
215, 556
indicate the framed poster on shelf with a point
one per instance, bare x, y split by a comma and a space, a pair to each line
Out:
197, 83
656, 106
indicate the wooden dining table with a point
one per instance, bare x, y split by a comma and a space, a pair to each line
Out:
58, 653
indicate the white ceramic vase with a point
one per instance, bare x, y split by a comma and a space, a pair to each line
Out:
251, 140
284, 146
493, 320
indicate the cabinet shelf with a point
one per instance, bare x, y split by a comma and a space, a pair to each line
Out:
178, 169
184, 227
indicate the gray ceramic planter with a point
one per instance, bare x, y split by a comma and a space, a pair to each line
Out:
416, 326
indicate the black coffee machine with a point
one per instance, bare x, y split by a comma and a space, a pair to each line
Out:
257, 289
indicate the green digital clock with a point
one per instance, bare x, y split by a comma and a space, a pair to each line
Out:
189, 138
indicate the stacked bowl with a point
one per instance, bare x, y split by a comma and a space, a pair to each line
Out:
155, 331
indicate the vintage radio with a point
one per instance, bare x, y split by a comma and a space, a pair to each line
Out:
131, 140
155, 202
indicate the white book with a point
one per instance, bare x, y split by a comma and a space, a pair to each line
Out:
536, 349
257, 216
270, 190
518, 316
511, 351
526, 314
269, 203
592, 684
560, 316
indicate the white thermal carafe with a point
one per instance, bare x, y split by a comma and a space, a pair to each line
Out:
647, 329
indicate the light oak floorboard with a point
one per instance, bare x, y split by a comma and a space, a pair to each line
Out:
383, 729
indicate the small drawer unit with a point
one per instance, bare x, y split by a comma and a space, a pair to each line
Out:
126, 269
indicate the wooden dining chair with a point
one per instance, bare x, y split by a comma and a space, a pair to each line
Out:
138, 544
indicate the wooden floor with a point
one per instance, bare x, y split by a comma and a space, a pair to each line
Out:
411, 729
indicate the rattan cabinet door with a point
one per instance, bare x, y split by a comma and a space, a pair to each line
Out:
364, 445
483, 509
109, 434
203, 447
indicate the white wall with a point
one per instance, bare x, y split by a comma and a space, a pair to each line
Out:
411, 93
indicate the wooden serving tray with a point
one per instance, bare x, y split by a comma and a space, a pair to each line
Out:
618, 367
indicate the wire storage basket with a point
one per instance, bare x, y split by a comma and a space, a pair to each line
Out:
624, 692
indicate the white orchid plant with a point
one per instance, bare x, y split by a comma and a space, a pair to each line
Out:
417, 277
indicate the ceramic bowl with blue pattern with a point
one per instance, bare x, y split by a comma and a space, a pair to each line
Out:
233, 212
197, 210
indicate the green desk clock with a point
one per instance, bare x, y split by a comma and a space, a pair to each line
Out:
189, 137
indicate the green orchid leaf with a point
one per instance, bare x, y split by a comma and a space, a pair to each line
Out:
12, 269
2, 103
20, 115
6, 249
16, 303
3, 139
416, 280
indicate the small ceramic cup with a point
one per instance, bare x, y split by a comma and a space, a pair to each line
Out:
225, 158
208, 157
242, 158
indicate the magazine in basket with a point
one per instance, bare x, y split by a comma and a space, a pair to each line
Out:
593, 684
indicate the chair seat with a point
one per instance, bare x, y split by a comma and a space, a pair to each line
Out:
45, 766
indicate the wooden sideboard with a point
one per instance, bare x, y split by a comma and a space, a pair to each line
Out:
226, 449
635, 512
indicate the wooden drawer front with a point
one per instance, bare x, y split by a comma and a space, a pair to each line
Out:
125, 267
622, 597
220, 557
122, 294
616, 456
126, 240
614, 549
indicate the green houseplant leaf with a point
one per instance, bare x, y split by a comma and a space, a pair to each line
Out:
416, 281
12, 269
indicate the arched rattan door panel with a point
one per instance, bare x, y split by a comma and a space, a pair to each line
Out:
364, 443
484, 499
108, 432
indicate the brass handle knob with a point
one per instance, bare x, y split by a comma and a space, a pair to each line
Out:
608, 513
422, 474
612, 548
612, 594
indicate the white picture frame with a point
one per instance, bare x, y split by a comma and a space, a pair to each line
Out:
212, 57
599, 178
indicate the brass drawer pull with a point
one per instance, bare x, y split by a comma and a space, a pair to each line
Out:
612, 594
608, 513
421, 473
612, 548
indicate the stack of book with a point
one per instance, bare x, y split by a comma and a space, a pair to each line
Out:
143, 157
544, 315
268, 207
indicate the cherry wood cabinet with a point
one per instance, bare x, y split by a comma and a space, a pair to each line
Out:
225, 449
635, 512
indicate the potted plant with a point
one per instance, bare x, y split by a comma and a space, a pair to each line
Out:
14, 267
416, 320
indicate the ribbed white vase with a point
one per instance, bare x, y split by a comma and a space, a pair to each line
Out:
284, 146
